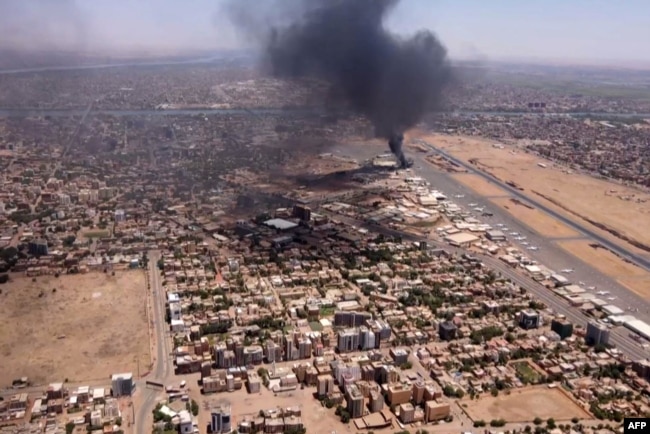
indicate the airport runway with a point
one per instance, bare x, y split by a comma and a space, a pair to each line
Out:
639, 260
549, 255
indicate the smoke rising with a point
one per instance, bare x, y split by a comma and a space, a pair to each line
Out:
393, 81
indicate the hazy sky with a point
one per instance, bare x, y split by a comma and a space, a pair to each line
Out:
580, 30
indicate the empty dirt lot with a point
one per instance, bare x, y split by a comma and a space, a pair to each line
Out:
524, 405
80, 327
315, 417
584, 195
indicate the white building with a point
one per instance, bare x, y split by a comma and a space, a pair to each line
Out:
122, 384
185, 425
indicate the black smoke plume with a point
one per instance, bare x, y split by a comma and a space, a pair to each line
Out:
391, 80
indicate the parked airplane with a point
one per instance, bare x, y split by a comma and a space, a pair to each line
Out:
567, 270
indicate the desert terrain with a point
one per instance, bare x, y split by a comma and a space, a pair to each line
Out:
76, 327
524, 405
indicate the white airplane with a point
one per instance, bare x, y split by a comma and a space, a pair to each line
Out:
479, 209
460, 196
514, 234
591, 288
611, 298
533, 248
602, 292
567, 270
473, 204
524, 243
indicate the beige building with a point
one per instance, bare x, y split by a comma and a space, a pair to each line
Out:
436, 410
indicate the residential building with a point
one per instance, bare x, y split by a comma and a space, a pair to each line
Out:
447, 331
354, 399
562, 327
529, 319
122, 384
220, 419
597, 333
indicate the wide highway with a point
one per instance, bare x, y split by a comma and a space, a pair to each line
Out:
163, 366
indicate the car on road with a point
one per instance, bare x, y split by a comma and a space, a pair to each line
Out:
514, 234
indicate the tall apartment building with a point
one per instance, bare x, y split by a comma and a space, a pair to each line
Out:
351, 319
348, 340
354, 399
597, 333
122, 384
220, 420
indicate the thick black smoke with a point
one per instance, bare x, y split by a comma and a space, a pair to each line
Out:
391, 80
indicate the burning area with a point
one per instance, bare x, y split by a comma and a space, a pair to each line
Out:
391, 80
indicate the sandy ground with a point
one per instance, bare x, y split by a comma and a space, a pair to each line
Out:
638, 285
581, 194
629, 275
92, 326
611, 264
524, 405
536, 219
479, 185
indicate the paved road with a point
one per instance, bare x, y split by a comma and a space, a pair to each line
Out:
639, 260
163, 367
